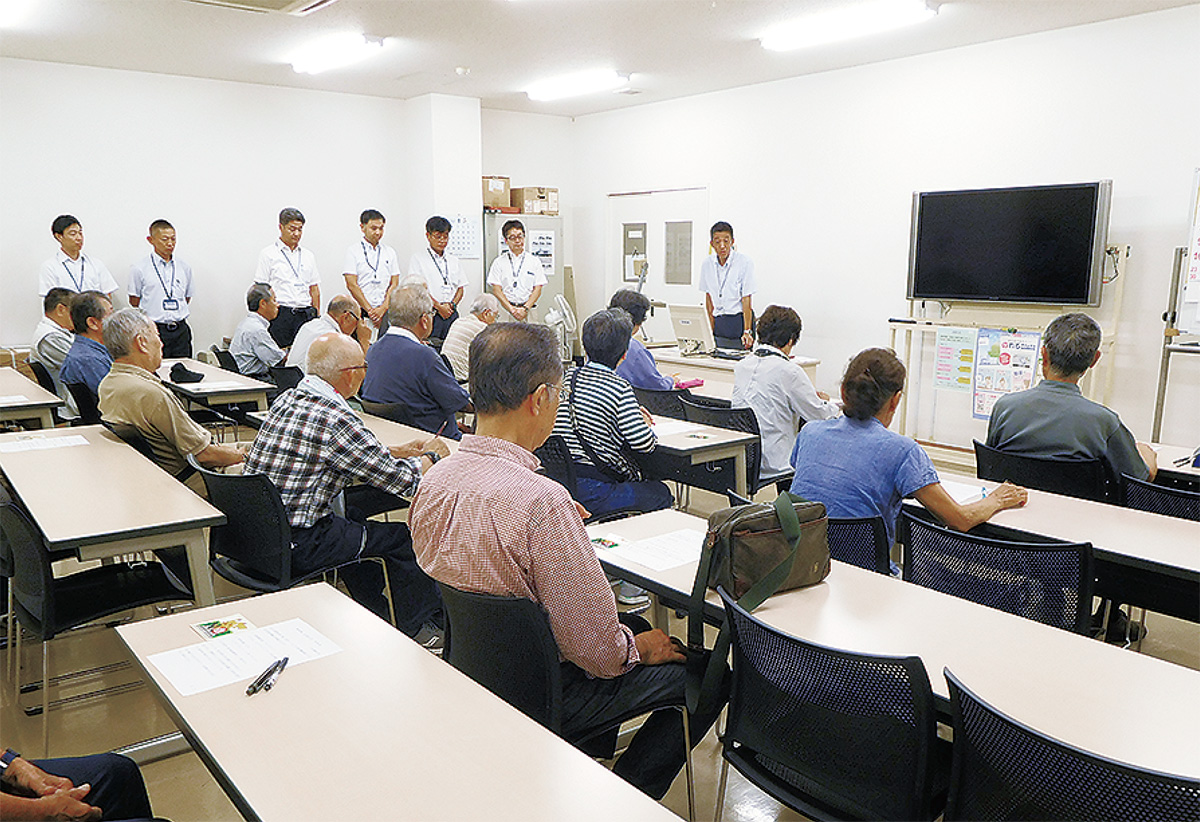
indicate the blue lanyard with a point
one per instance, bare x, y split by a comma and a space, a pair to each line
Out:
170, 292
445, 274
78, 285
367, 259
299, 259
728, 270
516, 270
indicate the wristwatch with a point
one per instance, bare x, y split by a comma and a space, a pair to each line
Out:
6, 759
433, 456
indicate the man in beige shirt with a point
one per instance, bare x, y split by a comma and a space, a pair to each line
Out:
457, 345
132, 395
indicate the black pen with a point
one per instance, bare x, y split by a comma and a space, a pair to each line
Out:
261, 680
274, 676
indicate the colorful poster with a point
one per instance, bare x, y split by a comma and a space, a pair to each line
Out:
954, 359
1005, 361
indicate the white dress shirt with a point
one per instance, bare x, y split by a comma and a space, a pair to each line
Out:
728, 283
374, 266
163, 286
289, 273
443, 274
783, 397
517, 276
305, 336
85, 274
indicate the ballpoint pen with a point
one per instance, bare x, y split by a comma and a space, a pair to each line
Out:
261, 680
270, 683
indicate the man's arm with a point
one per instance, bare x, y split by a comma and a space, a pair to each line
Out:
533, 297
708, 306
218, 455
359, 297
747, 321
314, 293
509, 307
1150, 457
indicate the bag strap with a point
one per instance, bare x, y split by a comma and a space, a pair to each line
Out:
601, 466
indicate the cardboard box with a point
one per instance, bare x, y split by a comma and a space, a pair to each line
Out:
536, 200
495, 191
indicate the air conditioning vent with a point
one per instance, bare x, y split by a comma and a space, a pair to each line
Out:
297, 8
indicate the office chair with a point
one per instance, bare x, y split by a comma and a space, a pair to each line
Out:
225, 359
87, 403
743, 420
829, 733
555, 457
1159, 499
1048, 581
42, 375
1089, 479
285, 376
394, 411
1003, 769
506, 645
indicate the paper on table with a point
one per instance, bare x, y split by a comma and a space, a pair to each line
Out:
662, 552
11, 398
241, 656
222, 384
963, 492
665, 427
42, 443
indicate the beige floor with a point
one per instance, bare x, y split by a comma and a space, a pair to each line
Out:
181, 788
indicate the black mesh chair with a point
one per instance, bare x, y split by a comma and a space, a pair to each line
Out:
285, 376
1088, 479
86, 402
1004, 770
253, 548
1044, 580
1159, 499
662, 403
555, 457
225, 359
737, 419
394, 411
831, 734
42, 375
47, 606
506, 645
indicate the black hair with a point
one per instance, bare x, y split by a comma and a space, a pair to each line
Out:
508, 362
606, 336
437, 225
509, 226
86, 305
61, 223
56, 297
367, 216
779, 325
633, 303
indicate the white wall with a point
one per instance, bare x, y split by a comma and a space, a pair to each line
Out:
816, 174
218, 159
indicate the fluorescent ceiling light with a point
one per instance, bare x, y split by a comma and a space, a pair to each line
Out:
334, 51
858, 20
575, 85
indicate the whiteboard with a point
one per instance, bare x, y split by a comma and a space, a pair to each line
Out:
1188, 311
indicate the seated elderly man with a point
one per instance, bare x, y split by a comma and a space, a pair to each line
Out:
485, 521
87, 360
312, 445
100, 786
402, 369
132, 395
485, 308
342, 317
52, 339
601, 422
252, 346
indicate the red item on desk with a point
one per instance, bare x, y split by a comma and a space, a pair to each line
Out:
690, 384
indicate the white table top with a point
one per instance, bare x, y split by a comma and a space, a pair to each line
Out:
1167, 454
1120, 704
383, 729
104, 491
698, 438
389, 433
18, 391
226, 382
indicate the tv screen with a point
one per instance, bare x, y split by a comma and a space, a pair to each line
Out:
1035, 244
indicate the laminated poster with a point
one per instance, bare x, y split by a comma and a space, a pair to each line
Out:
954, 359
1005, 361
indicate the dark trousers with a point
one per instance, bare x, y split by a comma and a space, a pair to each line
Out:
117, 786
656, 754
176, 338
334, 540
284, 327
727, 330
441, 327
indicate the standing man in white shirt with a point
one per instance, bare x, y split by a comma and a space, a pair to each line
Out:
70, 268
727, 281
516, 278
443, 274
372, 271
291, 271
164, 283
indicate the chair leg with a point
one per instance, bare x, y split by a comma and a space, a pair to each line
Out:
721, 789
1141, 634
46, 698
687, 762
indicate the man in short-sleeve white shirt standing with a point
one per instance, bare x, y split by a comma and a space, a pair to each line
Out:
291, 271
372, 271
727, 280
161, 285
70, 268
442, 273
516, 277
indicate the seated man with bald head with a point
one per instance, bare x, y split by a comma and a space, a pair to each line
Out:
311, 446
132, 395
343, 316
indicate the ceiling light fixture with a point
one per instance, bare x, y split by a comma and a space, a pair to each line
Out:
576, 85
858, 20
334, 51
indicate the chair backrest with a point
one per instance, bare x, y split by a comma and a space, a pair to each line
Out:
1004, 769
394, 411
832, 733
225, 359
860, 541
556, 461
131, 437
1089, 479
86, 402
735, 419
1159, 499
42, 376
662, 403
1043, 580
506, 645
32, 578
256, 534
285, 376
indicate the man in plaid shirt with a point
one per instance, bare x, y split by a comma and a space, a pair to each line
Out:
484, 521
313, 445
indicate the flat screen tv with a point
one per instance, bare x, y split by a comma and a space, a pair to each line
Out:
1033, 244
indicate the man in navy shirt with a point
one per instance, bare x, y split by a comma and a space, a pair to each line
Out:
88, 361
402, 369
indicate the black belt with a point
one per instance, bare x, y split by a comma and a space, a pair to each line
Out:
171, 326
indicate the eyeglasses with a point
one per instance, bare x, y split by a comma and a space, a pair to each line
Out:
355, 367
553, 387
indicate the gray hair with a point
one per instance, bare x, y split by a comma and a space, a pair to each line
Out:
341, 304
485, 302
290, 215
408, 304
122, 328
329, 354
1071, 342
508, 362
257, 293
